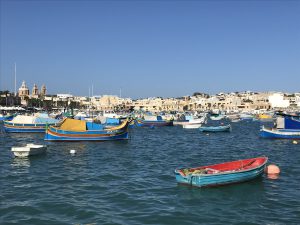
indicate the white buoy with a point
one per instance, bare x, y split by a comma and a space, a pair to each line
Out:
72, 151
295, 142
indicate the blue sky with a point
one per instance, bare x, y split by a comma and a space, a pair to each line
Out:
151, 48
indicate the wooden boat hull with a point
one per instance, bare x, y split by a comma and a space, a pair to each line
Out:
51, 136
216, 129
158, 123
29, 150
25, 128
223, 177
114, 133
280, 133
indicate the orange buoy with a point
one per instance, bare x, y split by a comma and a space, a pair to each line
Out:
272, 171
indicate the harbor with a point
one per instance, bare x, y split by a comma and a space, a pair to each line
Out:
133, 181
149, 112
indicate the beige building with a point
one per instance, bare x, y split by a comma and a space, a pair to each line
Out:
110, 103
35, 94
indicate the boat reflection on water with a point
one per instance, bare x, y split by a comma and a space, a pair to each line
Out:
273, 176
20, 163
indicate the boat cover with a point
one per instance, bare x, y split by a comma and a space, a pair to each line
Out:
23, 119
73, 125
33, 120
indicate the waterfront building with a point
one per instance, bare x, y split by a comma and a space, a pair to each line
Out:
277, 101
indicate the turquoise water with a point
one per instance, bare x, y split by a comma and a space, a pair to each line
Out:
132, 182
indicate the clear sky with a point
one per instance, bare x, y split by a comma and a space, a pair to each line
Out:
151, 48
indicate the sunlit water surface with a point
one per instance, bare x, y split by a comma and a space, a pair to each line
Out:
132, 182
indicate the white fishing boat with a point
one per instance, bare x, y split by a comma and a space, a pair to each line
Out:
218, 117
235, 120
190, 120
192, 126
29, 150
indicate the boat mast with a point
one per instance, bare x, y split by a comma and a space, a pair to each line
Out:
15, 79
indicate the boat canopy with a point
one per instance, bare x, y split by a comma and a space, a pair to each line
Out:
73, 125
36, 119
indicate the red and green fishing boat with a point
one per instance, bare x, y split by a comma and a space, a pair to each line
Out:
223, 173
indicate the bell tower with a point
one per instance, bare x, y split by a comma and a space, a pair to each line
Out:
35, 90
43, 90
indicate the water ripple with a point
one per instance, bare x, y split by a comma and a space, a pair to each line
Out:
132, 182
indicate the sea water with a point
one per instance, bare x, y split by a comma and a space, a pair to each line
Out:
132, 182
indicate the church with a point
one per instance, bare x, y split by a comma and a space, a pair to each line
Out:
35, 94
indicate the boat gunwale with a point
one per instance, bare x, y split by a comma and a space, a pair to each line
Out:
280, 131
225, 172
120, 128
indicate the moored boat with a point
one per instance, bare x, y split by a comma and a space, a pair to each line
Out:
192, 126
191, 120
265, 117
286, 127
246, 116
223, 173
80, 130
153, 121
36, 123
29, 150
279, 133
216, 128
217, 117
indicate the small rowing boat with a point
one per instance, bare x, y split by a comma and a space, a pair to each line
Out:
29, 150
223, 173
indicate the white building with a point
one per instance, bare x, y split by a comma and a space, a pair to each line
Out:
277, 101
64, 96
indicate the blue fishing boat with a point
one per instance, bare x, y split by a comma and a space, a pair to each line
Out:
29, 124
223, 173
286, 127
280, 133
216, 129
81, 130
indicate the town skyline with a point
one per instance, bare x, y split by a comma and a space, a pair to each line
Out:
160, 48
35, 85
198, 101
91, 94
